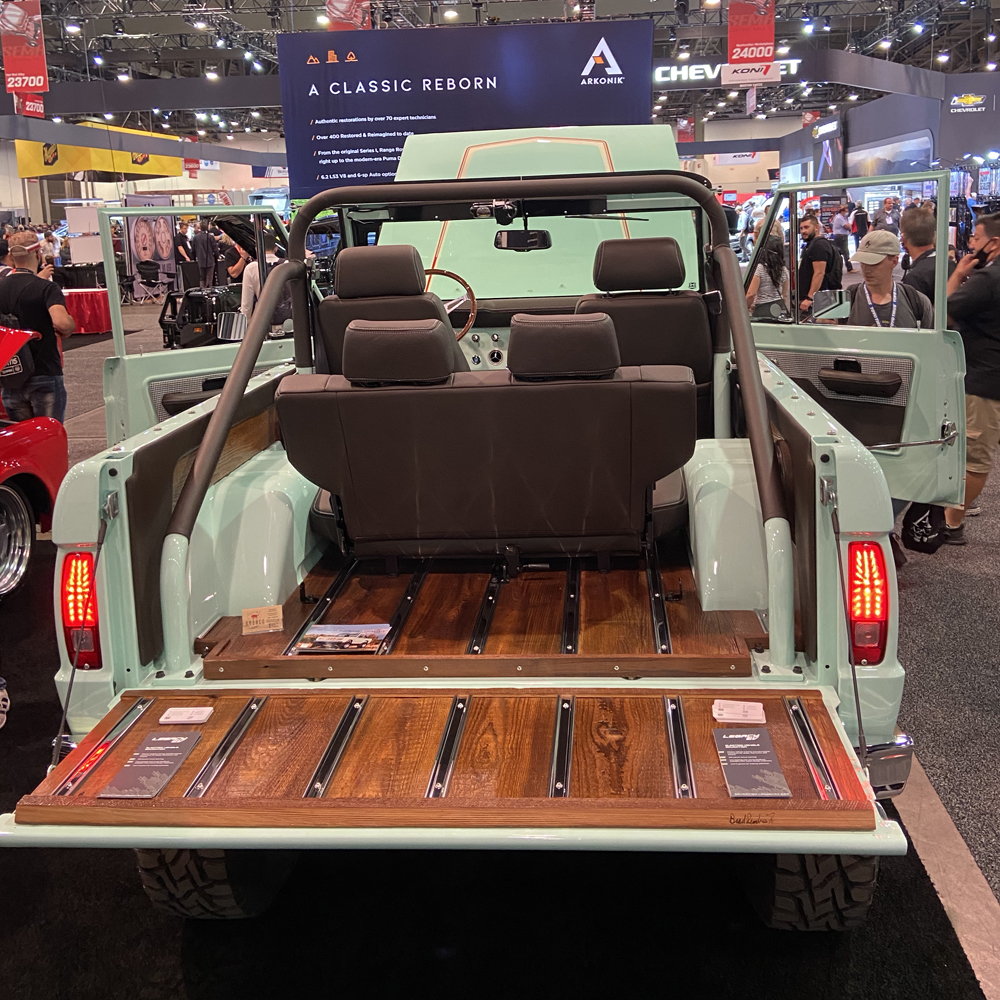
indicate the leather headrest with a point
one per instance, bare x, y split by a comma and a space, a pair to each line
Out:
544, 348
398, 352
651, 264
366, 272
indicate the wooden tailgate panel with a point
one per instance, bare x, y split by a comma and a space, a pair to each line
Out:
367, 758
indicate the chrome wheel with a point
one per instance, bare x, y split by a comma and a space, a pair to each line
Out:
17, 534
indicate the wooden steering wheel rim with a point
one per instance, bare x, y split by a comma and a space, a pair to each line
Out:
474, 308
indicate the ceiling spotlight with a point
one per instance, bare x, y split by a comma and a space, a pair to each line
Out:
886, 43
991, 37
247, 129
98, 60
164, 124
943, 57
263, 130
451, 12
215, 118
123, 76
721, 104
248, 55
673, 35
993, 154
57, 120
72, 28
710, 3
978, 160
156, 111
211, 74
826, 24
255, 114
852, 97
789, 100
257, 66
733, 93
991, 66
118, 25
201, 131
108, 117
760, 115
833, 107
704, 119
220, 43
783, 49
918, 28
200, 115
657, 107
684, 54
229, 137
200, 25
807, 28
322, 19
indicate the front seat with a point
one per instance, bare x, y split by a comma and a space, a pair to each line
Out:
377, 283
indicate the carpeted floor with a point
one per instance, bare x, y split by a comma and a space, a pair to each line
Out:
76, 924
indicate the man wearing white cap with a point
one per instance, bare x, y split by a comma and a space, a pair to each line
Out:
879, 300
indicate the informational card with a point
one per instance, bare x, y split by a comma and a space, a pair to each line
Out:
186, 716
267, 619
739, 711
151, 766
342, 639
750, 765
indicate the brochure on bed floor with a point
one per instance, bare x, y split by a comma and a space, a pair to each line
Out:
342, 639
750, 765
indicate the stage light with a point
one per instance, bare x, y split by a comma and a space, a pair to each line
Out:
200, 25
263, 130
257, 66
760, 115
248, 55
978, 160
833, 107
789, 100
852, 97
826, 24
710, 3
451, 12
215, 118
918, 28
991, 66
108, 118
807, 28
118, 26
322, 19
886, 43
124, 77
211, 74
72, 28
229, 137
783, 49
98, 60
255, 114
247, 129
721, 104
991, 37
156, 111
657, 107
201, 131
993, 154
58, 120
200, 115
683, 54
164, 124
943, 57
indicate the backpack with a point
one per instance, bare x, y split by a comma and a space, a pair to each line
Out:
836, 271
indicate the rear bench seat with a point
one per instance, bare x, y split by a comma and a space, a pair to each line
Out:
555, 455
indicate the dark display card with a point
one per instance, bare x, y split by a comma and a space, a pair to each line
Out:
151, 766
750, 765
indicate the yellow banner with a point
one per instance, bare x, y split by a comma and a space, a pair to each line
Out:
46, 159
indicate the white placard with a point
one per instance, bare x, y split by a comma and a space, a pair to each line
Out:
209, 165
81, 219
736, 159
85, 249
751, 73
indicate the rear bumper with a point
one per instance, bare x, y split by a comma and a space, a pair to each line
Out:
886, 838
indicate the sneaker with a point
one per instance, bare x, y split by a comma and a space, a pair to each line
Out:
954, 536
974, 509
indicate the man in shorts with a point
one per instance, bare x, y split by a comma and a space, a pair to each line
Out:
974, 310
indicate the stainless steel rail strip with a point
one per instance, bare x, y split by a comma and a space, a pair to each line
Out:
657, 609
224, 750
444, 763
571, 609
320, 780
324, 603
562, 749
484, 619
82, 771
815, 760
680, 751
409, 598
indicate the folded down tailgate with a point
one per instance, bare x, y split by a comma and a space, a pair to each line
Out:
453, 760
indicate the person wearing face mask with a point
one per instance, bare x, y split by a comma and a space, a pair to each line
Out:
974, 310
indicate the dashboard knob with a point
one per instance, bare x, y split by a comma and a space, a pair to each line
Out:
475, 338
495, 338
476, 359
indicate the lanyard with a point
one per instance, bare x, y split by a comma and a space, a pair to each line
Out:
868, 297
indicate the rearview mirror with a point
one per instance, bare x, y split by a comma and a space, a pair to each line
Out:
523, 240
834, 303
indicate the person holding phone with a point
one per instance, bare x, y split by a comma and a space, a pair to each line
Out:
974, 310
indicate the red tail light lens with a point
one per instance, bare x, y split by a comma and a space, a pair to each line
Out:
79, 610
868, 593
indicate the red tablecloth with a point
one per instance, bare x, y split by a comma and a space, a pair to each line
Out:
89, 307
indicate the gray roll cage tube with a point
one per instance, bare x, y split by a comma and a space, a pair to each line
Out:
293, 271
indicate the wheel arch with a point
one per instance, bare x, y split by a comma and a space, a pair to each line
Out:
35, 490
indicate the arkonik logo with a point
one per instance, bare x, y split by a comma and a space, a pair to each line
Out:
602, 56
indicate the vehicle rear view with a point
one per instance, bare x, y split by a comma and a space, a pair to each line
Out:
529, 550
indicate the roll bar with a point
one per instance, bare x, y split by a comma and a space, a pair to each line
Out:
206, 458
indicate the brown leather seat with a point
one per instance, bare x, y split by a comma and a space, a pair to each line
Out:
379, 283
426, 461
655, 326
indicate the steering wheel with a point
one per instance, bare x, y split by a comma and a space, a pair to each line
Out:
469, 296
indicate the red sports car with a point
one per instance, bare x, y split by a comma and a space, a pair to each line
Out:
33, 461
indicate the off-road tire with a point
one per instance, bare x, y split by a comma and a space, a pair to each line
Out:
812, 892
213, 885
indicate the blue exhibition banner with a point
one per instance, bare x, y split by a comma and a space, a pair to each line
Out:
350, 98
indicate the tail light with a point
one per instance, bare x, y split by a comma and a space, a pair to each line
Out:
868, 592
78, 600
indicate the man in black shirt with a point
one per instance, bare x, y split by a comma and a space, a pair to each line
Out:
917, 232
235, 261
204, 252
182, 245
38, 305
974, 309
815, 263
